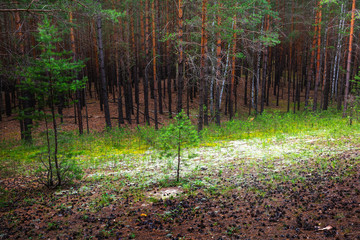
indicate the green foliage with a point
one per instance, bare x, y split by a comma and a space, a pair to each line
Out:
177, 134
52, 74
354, 99
49, 77
69, 170
181, 132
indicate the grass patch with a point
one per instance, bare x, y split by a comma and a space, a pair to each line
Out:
271, 141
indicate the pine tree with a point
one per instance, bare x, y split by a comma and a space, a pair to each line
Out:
50, 75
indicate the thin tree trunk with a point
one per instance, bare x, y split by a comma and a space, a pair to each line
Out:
311, 71
8, 109
348, 67
57, 166
154, 59
180, 63
202, 67
324, 95
135, 68
168, 65
1, 99
102, 71
25, 99
147, 57
269, 75
117, 75
264, 75
218, 73
337, 59
233, 64
97, 67
246, 84
317, 78
128, 78
78, 95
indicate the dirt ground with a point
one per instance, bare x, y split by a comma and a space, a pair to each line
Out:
317, 207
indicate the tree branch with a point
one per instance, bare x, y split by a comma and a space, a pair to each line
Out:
27, 10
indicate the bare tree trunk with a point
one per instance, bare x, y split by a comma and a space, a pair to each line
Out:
233, 64
168, 65
154, 59
78, 95
265, 61
181, 63
102, 71
202, 68
337, 58
325, 87
311, 71
147, 57
317, 78
218, 73
25, 98
348, 67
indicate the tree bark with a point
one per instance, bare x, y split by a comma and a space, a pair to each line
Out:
218, 70
311, 71
233, 64
154, 59
147, 57
181, 60
317, 77
348, 67
168, 65
78, 95
102, 72
25, 99
202, 68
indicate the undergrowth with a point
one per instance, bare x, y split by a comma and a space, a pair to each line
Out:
95, 149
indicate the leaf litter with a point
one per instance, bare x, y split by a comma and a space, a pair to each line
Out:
292, 188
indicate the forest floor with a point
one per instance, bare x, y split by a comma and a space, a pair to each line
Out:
283, 187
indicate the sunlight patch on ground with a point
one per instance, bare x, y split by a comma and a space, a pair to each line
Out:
165, 193
273, 153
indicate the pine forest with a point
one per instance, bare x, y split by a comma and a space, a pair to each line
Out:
180, 119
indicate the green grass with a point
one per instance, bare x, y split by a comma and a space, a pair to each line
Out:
133, 148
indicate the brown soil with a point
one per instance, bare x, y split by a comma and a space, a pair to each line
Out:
318, 207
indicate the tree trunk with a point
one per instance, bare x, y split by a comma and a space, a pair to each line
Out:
154, 59
1, 99
325, 85
25, 98
265, 61
202, 68
269, 75
348, 67
102, 71
168, 65
135, 67
180, 63
128, 78
233, 64
78, 95
311, 71
217, 71
117, 76
317, 77
147, 57
246, 85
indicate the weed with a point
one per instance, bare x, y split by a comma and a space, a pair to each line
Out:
52, 226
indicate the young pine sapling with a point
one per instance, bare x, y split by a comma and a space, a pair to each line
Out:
177, 135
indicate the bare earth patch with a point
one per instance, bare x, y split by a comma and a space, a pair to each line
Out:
256, 189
